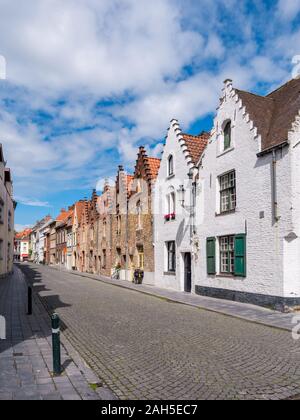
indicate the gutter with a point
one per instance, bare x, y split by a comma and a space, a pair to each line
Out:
273, 148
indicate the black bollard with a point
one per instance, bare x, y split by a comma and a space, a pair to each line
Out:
29, 295
55, 321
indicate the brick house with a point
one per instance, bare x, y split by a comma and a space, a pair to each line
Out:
92, 242
21, 245
248, 206
106, 210
61, 236
140, 242
77, 216
120, 230
82, 236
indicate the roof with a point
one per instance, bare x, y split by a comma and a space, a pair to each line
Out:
154, 165
196, 145
274, 114
129, 180
79, 206
24, 234
64, 215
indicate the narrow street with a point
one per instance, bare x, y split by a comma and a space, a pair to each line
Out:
143, 347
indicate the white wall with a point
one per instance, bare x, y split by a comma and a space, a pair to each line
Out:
179, 229
265, 239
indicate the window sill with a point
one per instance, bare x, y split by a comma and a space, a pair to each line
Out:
229, 276
225, 152
169, 273
170, 177
224, 213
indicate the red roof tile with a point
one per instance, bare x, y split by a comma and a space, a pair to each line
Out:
154, 165
196, 145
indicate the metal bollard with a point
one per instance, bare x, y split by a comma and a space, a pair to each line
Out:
29, 296
55, 321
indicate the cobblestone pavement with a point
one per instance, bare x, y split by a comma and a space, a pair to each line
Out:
144, 347
26, 354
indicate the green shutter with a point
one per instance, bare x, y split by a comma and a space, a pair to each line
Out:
240, 255
211, 255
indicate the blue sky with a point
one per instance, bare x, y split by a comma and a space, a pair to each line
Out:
89, 81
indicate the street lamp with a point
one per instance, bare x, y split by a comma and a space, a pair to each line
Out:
181, 195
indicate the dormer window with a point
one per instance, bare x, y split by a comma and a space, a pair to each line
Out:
227, 136
171, 166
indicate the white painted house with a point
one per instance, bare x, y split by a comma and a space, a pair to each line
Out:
248, 200
173, 218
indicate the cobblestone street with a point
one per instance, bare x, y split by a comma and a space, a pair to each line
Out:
144, 347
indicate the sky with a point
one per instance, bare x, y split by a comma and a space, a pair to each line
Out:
89, 81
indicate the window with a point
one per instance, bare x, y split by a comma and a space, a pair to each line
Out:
227, 254
171, 248
9, 220
171, 166
232, 255
1, 249
227, 136
171, 206
104, 259
1, 211
141, 258
228, 192
104, 228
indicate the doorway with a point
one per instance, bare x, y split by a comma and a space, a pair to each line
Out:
187, 272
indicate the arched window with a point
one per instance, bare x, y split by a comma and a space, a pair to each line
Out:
172, 202
171, 205
227, 136
171, 165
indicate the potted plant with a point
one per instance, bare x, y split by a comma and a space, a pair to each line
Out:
173, 216
167, 217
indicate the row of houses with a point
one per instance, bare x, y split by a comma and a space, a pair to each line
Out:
7, 210
217, 215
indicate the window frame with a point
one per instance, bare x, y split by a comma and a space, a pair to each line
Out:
171, 258
227, 134
171, 168
230, 251
230, 190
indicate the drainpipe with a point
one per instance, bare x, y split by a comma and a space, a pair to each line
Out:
192, 177
274, 187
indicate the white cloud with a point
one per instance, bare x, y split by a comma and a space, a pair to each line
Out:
20, 228
144, 61
288, 9
32, 202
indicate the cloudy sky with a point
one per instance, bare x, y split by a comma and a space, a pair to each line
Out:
88, 81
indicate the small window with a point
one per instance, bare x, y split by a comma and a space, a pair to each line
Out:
171, 248
227, 136
228, 192
141, 258
171, 166
104, 259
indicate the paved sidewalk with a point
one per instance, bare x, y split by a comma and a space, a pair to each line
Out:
26, 355
239, 310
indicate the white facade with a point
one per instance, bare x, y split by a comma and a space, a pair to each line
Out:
267, 210
166, 203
